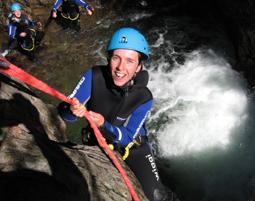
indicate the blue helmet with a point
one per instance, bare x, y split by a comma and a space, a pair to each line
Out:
15, 6
131, 39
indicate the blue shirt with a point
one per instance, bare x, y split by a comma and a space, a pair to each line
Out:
58, 3
14, 22
132, 126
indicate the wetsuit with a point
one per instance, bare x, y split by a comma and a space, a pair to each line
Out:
28, 43
69, 15
125, 110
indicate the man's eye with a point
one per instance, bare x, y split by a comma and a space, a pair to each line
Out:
130, 61
115, 58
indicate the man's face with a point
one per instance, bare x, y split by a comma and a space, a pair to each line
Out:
124, 65
17, 13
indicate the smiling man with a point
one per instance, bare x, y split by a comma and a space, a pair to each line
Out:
24, 33
118, 101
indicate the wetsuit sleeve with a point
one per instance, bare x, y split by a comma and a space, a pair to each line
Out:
133, 126
12, 31
82, 92
81, 3
28, 21
57, 4
33, 23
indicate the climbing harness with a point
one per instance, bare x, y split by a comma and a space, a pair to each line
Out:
17, 73
32, 38
128, 147
67, 16
70, 10
136, 142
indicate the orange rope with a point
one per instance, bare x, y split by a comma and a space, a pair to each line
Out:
27, 78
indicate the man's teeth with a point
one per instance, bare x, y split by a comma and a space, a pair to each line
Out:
120, 74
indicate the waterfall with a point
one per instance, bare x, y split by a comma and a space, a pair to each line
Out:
198, 105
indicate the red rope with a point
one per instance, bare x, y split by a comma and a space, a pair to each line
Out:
27, 78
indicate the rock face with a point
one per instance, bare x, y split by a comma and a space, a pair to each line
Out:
38, 163
237, 17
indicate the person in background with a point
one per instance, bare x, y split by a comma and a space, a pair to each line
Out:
23, 33
119, 102
67, 12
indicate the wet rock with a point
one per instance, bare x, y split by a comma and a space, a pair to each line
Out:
37, 162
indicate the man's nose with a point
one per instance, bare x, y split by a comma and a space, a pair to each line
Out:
121, 65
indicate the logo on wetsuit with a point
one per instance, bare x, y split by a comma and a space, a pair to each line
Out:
77, 87
153, 165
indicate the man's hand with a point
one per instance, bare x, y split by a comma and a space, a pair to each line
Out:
23, 34
90, 10
97, 118
54, 14
77, 108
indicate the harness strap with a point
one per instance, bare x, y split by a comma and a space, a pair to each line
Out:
32, 37
25, 77
137, 141
128, 147
69, 17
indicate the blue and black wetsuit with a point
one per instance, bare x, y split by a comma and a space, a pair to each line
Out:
58, 3
125, 111
23, 24
69, 13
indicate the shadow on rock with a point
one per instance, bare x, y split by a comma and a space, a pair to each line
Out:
65, 181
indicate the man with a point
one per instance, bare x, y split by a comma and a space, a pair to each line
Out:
69, 16
119, 102
22, 32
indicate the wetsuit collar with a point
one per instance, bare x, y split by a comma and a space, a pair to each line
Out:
140, 80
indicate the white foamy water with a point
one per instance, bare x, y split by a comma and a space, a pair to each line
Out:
202, 102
